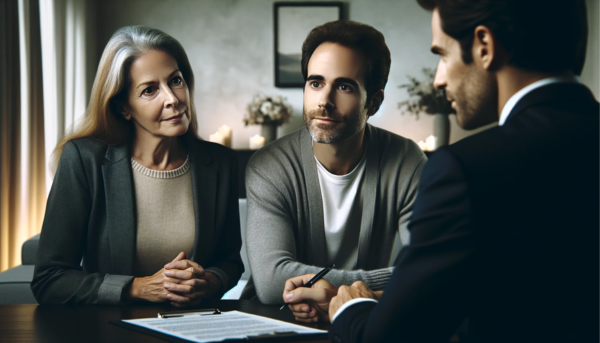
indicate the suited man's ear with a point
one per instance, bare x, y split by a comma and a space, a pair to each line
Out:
486, 50
375, 103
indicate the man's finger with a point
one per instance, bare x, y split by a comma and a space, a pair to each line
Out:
296, 282
359, 284
303, 294
310, 314
299, 307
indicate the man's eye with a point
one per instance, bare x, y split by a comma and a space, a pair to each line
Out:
315, 84
345, 88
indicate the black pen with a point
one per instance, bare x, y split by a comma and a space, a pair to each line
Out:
314, 279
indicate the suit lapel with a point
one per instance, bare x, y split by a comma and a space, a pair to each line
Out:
315, 243
369, 192
120, 208
204, 190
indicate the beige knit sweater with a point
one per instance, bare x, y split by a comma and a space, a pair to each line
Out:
165, 216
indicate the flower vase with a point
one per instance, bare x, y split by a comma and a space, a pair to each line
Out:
269, 131
441, 129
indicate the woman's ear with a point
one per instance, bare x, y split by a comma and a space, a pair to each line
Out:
124, 111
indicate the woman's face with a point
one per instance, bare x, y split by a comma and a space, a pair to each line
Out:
158, 98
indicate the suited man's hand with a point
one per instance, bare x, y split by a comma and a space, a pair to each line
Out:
308, 304
193, 283
347, 293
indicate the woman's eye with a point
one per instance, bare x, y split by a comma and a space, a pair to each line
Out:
148, 91
177, 80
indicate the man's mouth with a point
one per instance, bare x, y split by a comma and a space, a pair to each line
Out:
326, 119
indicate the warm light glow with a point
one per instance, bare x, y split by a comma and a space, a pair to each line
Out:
225, 131
217, 138
257, 142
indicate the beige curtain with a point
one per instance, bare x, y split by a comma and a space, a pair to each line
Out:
65, 28
22, 171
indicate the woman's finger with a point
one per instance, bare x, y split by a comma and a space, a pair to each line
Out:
198, 284
178, 298
179, 288
179, 274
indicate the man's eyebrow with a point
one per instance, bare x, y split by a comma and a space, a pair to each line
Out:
347, 80
315, 78
436, 50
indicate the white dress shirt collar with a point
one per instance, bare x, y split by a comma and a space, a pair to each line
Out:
510, 104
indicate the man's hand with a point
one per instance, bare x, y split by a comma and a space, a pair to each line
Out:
193, 283
347, 293
308, 304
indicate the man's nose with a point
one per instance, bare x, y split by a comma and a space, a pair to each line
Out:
326, 100
439, 82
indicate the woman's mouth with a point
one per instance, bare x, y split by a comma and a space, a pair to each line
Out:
174, 118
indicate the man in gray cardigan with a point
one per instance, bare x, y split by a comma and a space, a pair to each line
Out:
340, 189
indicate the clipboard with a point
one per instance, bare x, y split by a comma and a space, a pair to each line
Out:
286, 336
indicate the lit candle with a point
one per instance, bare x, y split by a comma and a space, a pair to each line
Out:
257, 142
225, 131
422, 145
431, 143
217, 138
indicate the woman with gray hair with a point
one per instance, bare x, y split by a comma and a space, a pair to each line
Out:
141, 209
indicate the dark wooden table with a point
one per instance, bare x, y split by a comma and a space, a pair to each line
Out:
35, 323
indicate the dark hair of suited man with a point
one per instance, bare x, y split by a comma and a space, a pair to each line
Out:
540, 35
361, 37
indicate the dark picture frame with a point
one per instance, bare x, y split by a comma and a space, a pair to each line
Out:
297, 19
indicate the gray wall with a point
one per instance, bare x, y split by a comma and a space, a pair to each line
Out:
230, 46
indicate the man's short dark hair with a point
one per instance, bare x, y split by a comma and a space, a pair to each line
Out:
361, 37
540, 35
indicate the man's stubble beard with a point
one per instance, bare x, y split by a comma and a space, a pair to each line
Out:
476, 100
329, 134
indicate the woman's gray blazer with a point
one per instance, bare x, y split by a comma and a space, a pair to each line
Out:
91, 215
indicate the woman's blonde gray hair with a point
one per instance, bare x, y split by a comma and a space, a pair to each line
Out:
103, 120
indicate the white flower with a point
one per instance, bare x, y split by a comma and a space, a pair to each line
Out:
266, 108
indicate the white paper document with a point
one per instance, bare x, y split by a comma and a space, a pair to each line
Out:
196, 327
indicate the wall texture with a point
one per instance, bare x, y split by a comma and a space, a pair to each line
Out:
230, 46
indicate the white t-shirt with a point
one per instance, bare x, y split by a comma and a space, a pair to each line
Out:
342, 213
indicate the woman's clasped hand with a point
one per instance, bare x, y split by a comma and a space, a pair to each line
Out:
181, 282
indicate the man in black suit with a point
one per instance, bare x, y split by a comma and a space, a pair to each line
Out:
504, 230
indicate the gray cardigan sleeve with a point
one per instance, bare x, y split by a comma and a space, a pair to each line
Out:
271, 243
58, 276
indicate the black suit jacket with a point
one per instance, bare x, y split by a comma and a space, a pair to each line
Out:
90, 214
504, 232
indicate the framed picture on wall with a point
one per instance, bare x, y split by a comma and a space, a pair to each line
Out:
293, 21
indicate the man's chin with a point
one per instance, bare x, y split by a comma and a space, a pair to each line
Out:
474, 122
